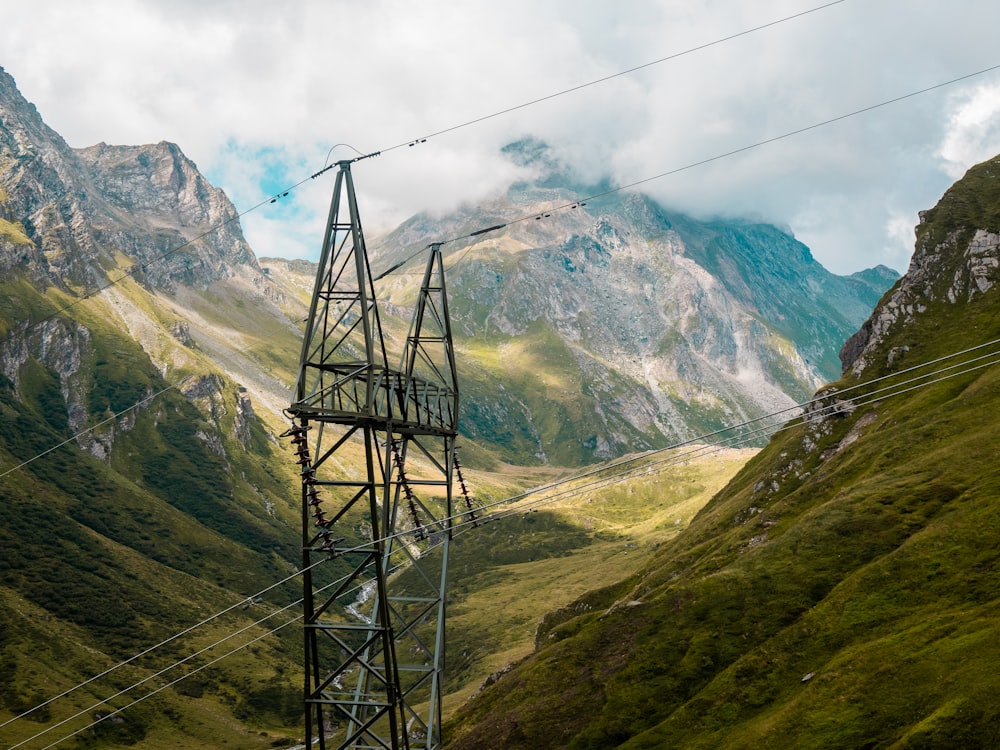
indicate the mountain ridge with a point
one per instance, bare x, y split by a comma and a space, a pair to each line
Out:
682, 325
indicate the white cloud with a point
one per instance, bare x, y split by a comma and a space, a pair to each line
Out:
248, 87
973, 133
899, 231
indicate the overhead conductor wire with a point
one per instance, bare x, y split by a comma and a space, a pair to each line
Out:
568, 205
701, 162
81, 433
162, 643
179, 662
133, 270
578, 87
129, 273
889, 391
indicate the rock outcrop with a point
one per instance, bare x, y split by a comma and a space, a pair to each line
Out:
956, 259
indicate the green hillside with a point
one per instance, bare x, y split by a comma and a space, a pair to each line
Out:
103, 559
105, 556
841, 592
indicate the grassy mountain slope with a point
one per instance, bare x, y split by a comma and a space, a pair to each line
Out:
105, 552
507, 574
841, 591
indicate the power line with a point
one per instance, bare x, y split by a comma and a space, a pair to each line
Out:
130, 273
160, 688
568, 205
179, 662
572, 89
90, 429
162, 643
739, 440
701, 162
889, 391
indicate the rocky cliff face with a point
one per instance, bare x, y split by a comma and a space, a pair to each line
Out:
86, 219
165, 205
138, 483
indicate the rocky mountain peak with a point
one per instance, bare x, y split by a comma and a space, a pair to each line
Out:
160, 192
618, 325
156, 178
956, 258
71, 214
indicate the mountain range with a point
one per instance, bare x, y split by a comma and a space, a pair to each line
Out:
146, 354
617, 326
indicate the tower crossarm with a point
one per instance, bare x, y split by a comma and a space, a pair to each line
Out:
349, 392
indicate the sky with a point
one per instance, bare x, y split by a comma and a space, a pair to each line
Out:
261, 95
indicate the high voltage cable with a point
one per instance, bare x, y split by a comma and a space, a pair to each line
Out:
834, 407
885, 392
676, 170
194, 671
743, 439
144, 680
80, 434
798, 131
129, 273
890, 391
572, 89
572, 204
729, 428
738, 440
831, 408
162, 643
673, 446
460, 530
172, 666
872, 396
161, 688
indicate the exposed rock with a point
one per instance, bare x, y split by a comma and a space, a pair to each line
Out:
244, 417
662, 327
207, 392
950, 265
181, 330
82, 211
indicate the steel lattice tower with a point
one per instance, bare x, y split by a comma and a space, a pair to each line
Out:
373, 679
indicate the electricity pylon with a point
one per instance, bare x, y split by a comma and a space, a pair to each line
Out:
376, 447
